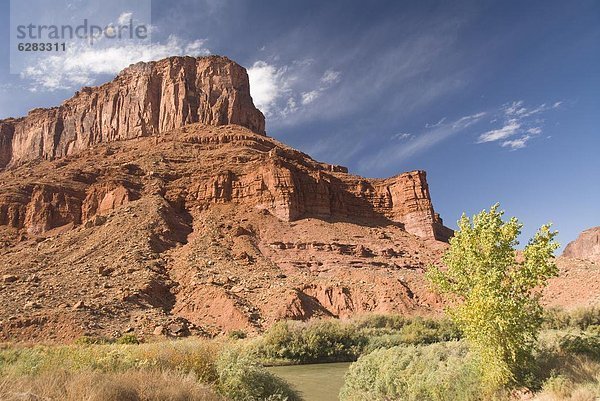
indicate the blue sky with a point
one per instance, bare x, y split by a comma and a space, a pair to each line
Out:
499, 101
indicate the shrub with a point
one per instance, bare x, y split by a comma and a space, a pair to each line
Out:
437, 372
379, 321
127, 339
585, 344
237, 334
235, 373
241, 378
92, 340
317, 341
415, 331
583, 319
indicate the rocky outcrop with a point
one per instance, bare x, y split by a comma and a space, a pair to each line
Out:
586, 246
219, 166
145, 99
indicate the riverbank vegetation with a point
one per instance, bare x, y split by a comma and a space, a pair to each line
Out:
420, 358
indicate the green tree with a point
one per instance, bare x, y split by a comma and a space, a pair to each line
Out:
493, 291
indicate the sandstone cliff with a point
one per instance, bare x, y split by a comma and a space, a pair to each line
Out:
157, 202
143, 100
586, 246
276, 178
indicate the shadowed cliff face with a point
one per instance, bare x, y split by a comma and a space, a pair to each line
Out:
144, 99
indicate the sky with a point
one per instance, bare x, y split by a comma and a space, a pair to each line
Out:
499, 101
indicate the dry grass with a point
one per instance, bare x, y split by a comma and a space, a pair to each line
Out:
97, 386
576, 378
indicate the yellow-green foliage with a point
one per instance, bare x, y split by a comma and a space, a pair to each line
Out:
494, 292
436, 372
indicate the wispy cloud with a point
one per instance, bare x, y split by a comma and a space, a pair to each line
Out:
430, 125
516, 143
402, 136
509, 129
422, 142
124, 18
517, 121
268, 84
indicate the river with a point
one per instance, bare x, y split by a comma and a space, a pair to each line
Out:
316, 382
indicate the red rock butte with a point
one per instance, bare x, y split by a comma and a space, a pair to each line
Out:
156, 203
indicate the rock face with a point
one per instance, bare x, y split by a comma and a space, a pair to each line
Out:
214, 228
144, 99
586, 246
278, 179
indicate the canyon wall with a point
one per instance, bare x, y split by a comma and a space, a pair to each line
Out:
232, 165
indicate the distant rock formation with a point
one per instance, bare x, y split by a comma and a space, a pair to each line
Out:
143, 100
586, 246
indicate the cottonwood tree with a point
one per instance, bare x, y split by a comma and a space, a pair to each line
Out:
494, 291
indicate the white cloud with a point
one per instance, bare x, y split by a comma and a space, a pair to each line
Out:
267, 85
330, 77
402, 136
124, 18
309, 97
428, 125
81, 64
518, 121
279, 91
516, 143
467, 121
509, 129
513, 108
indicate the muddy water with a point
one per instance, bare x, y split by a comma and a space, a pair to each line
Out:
318, 382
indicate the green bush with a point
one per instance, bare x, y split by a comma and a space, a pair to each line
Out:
127, 339
242, 378
333, 340
379, 321
585, 344
237, 334
582, 319
317, 341
92, 340
416, 331
435, 372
